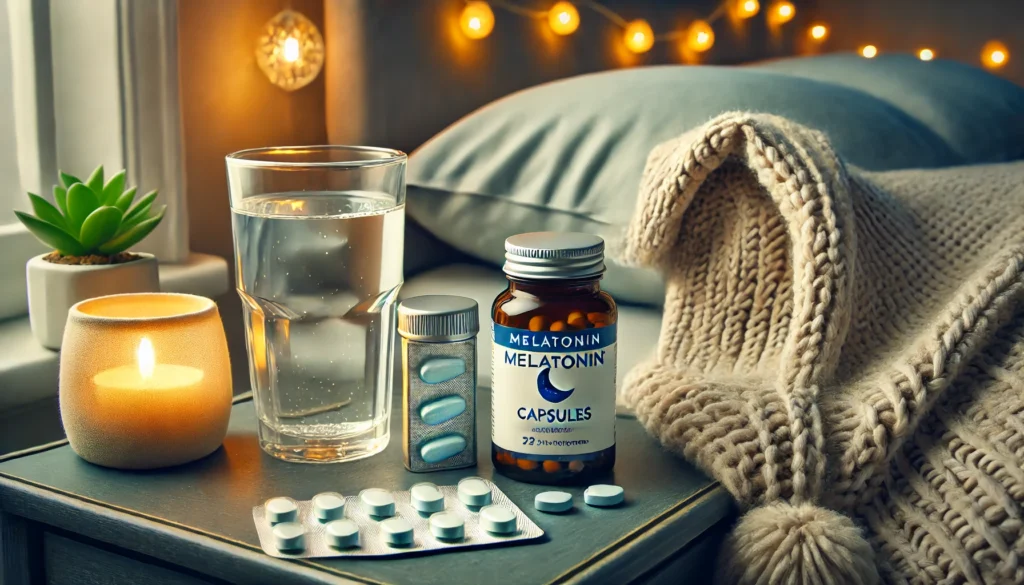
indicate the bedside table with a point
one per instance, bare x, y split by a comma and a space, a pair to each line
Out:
65, 521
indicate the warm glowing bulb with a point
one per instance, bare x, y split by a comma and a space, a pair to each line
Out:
747, 8
700, 36
563, 18
926, 54
477, 20
994, 55
639, 36
291, 49
782, 12
146, 358
868, 51
819, 32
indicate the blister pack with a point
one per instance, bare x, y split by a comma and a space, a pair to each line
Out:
381, 523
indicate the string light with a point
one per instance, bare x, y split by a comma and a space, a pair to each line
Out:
284, 49
639, 36
994, 55
700, 36
747, 8
781, 12
290, 51
563, 18
477, 20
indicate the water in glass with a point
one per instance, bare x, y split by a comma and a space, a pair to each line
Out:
318, 274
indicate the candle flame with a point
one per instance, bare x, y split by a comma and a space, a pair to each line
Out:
146, 358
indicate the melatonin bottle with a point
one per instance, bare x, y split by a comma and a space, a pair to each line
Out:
553, 363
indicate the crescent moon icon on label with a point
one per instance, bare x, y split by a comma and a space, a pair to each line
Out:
548, 391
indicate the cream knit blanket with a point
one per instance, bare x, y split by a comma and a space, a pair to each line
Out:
843, 351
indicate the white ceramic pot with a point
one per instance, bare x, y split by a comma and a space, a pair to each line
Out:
54, 288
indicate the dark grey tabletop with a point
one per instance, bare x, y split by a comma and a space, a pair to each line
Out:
669, 504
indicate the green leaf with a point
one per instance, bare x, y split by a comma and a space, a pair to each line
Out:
51, 235
81, 202
60, 195
133, 236
142, 207
95, 182
46, 211
125, 200
129, 222
113, 189
100, 226
68, 180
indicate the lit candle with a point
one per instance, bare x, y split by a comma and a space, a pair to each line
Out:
145, 380
150, 398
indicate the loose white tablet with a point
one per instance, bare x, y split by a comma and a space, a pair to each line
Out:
447, 526
553, 502
498, 520
378, 502
328, 506
281, 510
604, 496
342, 533
397, 531
426, 498
474, 491
289, 536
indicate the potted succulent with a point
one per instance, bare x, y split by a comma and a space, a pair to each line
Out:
90, 230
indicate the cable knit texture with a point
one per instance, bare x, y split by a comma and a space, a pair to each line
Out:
842, 350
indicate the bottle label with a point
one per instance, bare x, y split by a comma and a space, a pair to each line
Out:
553, 392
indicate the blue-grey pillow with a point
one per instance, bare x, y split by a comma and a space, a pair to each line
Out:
568, 155
978, 115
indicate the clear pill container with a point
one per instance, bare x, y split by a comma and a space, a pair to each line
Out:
438, 381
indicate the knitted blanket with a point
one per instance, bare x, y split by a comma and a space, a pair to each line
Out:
843, 351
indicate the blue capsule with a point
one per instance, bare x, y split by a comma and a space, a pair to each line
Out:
442, 410
440, 370
441, 448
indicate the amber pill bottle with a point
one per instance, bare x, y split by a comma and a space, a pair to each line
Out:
553, 363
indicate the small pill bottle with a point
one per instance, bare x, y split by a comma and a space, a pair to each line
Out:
553, 361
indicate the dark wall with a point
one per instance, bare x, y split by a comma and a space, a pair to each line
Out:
401, 71
227, 105
955, 29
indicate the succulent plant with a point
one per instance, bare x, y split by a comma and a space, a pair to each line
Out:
92, 217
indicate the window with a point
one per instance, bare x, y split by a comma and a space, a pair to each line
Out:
82, 84
10, 180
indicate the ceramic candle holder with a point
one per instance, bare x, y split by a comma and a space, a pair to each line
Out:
145, 380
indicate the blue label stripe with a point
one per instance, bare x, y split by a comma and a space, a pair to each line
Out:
554, 341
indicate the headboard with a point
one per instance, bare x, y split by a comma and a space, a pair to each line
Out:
399, 71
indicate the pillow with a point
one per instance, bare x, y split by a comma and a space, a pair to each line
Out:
980, 116
568, 155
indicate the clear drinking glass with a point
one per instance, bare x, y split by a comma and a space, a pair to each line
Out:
318, 237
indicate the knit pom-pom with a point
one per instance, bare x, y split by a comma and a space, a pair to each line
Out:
783, 543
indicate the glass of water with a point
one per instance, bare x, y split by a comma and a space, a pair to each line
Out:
318, 235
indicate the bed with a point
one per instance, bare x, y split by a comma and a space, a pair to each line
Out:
509, 135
